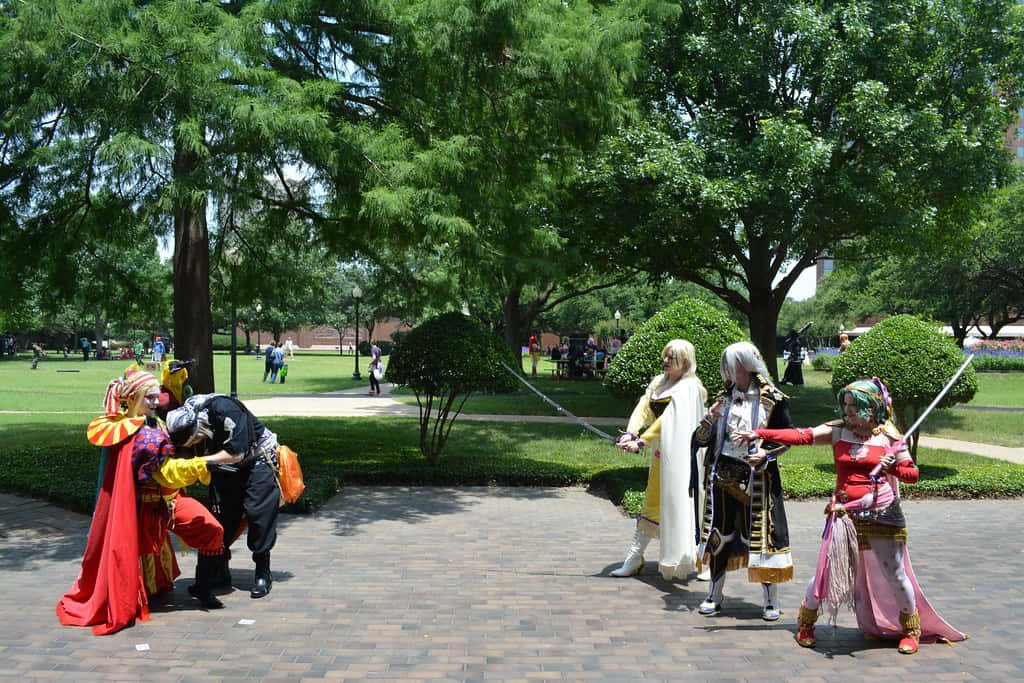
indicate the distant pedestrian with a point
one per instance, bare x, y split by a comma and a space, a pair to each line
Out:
86, 348
37, 354
289, 348
614, 346
844, 342
277, 361
158, 350
268, 360
534, 347
376, 369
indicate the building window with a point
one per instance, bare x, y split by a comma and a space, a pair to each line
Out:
1020, 152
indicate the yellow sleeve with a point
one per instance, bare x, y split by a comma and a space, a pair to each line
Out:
642, 415
653, 432
176, 473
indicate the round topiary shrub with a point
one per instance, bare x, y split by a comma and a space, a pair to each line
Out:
707, 328
914, 359
449, 356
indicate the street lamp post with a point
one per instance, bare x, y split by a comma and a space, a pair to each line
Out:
357, 294
618, 317
233, 258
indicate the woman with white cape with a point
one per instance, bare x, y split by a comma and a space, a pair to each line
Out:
670, 410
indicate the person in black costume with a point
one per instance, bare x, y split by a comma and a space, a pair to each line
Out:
795, 345
214, 423
744, 521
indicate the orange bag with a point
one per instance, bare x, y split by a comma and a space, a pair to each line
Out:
289, 475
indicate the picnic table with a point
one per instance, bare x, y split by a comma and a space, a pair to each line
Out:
598, 369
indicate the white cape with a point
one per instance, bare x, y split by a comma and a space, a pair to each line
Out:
678, 542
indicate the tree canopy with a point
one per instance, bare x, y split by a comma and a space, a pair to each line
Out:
777, 129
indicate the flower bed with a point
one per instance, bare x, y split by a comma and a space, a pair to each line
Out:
999, 355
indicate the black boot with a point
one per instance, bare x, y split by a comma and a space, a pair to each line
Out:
200, 590
263, 579
220, 572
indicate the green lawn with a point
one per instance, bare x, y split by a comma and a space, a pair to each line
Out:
586, 398
810, 404
1002, 428
74, 385
1004, 389
45, 454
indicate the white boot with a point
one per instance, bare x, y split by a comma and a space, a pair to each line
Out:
635, 557
713, 603
771, 609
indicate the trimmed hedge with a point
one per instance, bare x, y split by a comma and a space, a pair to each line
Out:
987, 362
639, 360
914, 359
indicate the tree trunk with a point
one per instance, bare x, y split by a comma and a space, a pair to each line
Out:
193, 322
764, 318
99, 328
517, 330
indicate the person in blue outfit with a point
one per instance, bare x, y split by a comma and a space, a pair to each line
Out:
268, 360
277, 362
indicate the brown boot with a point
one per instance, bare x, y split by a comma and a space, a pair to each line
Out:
911, 624
805, 623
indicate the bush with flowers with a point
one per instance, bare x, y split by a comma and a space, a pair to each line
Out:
998, 355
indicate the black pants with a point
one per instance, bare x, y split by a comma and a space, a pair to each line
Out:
252, 491
374, 383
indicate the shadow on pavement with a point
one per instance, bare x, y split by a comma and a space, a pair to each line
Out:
355, 506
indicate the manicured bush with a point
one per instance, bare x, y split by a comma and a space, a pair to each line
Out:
446, 357
639, 360
914, 359
823, 361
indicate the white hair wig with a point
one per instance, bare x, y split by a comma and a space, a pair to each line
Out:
744, 355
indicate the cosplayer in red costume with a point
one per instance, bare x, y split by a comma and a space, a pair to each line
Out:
139, 502
864, 559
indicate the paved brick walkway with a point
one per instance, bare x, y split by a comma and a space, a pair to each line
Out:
500, 584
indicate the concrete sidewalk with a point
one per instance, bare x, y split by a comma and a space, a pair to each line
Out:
358, 403
509, 584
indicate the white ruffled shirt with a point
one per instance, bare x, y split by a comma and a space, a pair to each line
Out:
741, 414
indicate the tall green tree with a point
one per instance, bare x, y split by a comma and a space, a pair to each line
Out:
163, 105
776, 129
498, 101
999, 252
